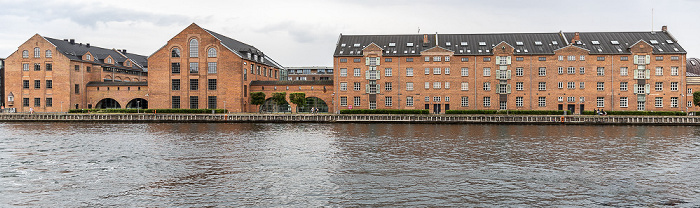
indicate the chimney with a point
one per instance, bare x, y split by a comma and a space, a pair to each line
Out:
65, 40
425, 38
664, 28
72, 41
87, 44
124, 51
576, 38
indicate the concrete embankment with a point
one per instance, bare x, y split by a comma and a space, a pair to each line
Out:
342, 118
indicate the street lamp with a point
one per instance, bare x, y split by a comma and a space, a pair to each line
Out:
138, 106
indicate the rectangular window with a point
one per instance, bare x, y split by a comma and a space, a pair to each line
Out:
176, 102
465, 59
437, 71
37, 67
436, 58
343, 101
343, 86
77, 68
571, 58
674, 71
211, 67
176, 84
658, 102
409, 59
519, 59
343, 60
571, 70
356, 86
427, 59
211, 102
560, 58
356, 60
582, 70
487, 101
37, 102
640, 89
194, 84
465, 72
409, 72
571, 85
37, 84
600, 102
387, 60
487, 72
356, 101
542, 58
487, 86
659, 58
641, 59
659, 71
465, 101
356, 72
600, 86
623, 71
436, 85
674, 102
582, 58
674, 86
601, 71
25, 102
519, 86
601, 58
623, 102
388, 101
582, 85
447, 85
542, 71
427, 71
437, 99
77, 89
560, 70
542, 86
175, 68
409, 86
387, 72
25, 84
194, 67
641, 73
388, 86
49, 102
25, 67
542, 101
49, 84
194, 102
465, 86
624, 58
211, 85
623, 86
659, 86
560, 85
518, 101
409, 101
343, 72
427, 85
674, 58
519, 72
487, 59
447, 70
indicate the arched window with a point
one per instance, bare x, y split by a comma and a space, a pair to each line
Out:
88, 57
37, 52
48, 54
109, 60
194, 48
175, 53
211, 52
25, 54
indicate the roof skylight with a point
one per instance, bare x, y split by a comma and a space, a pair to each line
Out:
463, 43
482, 43
448, 43
614, 42
554, 42
392, 44
595, 42
669, 41
409, 44
539, 43
519, 43
654, 42
356, 45
342, 45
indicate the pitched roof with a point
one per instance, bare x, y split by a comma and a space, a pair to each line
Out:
75, 51
294, 82
100, 84
523, 43
243, 49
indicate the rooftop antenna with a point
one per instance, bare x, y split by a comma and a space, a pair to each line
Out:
652, 17
418, 30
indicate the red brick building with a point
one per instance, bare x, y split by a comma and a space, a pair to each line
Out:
617, 71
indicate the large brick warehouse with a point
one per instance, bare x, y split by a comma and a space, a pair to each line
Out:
202, 69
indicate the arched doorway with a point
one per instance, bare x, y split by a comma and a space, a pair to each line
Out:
139, 103
270, 107
107, 103
313, 102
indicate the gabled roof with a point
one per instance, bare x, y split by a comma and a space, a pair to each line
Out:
75, 51
242, 49
294, 82
665, 43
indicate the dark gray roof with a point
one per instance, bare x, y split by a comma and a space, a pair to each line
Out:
75, 51
244, 49
295, 82
129, 84
524, 43
692, 67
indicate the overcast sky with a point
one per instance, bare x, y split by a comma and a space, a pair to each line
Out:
304, 33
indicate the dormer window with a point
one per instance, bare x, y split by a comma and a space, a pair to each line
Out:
409, 44
463, 43
87, 57
482, 43
109, 60
356, 45
392, 44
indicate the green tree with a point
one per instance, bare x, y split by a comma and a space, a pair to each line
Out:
298, 98
696, 98
257, 99
279, 98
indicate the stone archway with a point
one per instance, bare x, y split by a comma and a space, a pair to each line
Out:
107, 103
313, 102
270, 107
139, 103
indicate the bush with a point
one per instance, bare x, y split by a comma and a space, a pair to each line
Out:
383, 111
641, 113
515, 112
182, 111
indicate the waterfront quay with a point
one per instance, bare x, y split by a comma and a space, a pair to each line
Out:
356, 118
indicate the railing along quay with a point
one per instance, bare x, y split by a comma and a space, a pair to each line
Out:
347, 118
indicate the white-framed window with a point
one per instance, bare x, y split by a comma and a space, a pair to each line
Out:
356, 72
388, 86
447, 85
436, 85
571, 70
623, 102
571, 85
582, 99
343, 86
343, 72
659, 86
211, 52
623, 86
560, 58
465, 86
542, 101
427, 85
409, 101
465, 72
519, 72
600, 102
194, 48
542, 86
372, 104
659, 71
674, 102
387, 72
560, 70
447, 99
690, 91
623, 71
427, 99
388, 101
519, 86
641, 89
409, 72
674, 86
437, 99
690, 104
465, 101
447, 70
658, 102
600, 86
560, 85
582, 85
356, 86
427, 59
427, 71
601, 71
641, 59
25, 67
518, 101
571, 99
674, 71
25, 54
560, 99
542, 71
37, 53
582, 58
641, 73
356, 101
582, 70
48, 54
487, 101
343, 101
409, 86
487, 86
436, 58
487, 72
571, 58
437, 70
211, 68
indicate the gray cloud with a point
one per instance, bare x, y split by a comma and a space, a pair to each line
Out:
300, 32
